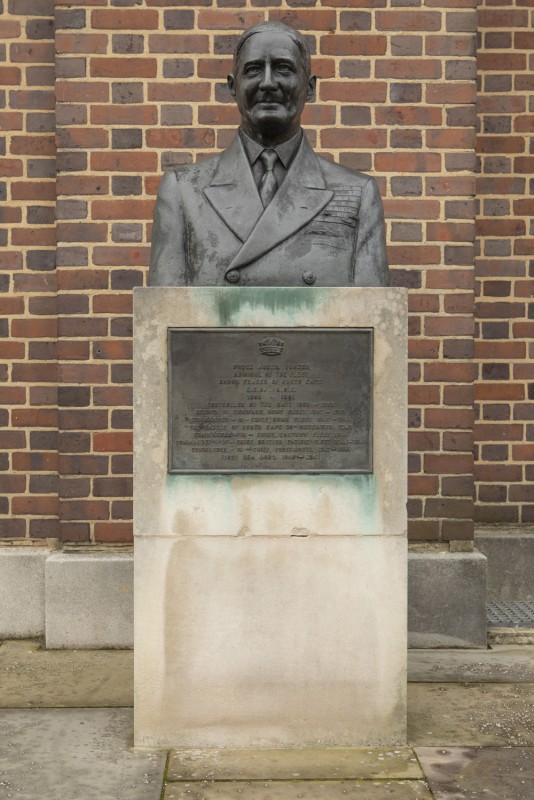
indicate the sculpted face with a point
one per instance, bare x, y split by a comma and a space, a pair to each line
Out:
271, 86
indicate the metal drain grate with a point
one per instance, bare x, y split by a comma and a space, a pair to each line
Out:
512, 614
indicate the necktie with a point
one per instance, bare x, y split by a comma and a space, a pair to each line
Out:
268, 184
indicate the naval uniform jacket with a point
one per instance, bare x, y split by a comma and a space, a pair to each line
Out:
323, 227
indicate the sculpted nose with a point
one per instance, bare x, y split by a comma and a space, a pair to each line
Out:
267, 80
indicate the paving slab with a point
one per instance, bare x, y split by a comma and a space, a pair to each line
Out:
470, 773
75, 754
33, 677
299, 790
333, 763
489, 714
499, 664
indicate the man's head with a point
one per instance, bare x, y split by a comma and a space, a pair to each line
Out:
271, 81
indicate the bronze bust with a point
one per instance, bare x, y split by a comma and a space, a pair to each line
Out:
268, 211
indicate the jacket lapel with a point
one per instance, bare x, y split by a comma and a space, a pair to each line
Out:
299, 199
233, 193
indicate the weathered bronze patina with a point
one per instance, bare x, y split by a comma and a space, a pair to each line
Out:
268, 211
270, 400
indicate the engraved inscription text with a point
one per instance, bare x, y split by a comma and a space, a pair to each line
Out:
270, 400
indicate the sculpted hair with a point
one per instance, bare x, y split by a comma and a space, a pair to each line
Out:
296, 36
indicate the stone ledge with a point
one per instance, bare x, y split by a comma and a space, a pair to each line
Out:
89, 600
447, 600
22, 591
510, 554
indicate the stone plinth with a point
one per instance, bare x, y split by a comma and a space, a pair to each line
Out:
22, 591
270, 609
89, 600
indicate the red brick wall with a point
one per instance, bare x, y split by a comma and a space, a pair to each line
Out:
140, 87
505, 266
28, 328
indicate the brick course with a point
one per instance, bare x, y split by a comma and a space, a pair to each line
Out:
504, 266
141, 89
28, 388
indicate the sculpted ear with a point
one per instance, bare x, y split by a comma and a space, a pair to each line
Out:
231, 84
312, 84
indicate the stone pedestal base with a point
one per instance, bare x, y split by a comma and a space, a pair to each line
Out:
270, 642
270, 610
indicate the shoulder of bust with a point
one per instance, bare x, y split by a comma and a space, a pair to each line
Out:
191, 173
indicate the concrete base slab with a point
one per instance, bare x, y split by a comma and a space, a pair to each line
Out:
510, 555
446, 599
89, 600
87, 754
489, 773
299, 790
500, 664
471, 714
22, 591
33, 677
76, 755
333, 763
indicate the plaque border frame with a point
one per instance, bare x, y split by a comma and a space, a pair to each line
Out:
243, 471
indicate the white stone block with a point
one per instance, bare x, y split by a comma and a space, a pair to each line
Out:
22, 590
89, 600
270, 642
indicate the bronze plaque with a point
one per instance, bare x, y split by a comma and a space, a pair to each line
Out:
270, 400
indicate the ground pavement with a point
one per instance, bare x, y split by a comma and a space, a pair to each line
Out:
66, 734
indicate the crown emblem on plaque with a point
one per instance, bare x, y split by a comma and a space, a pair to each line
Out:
271, 346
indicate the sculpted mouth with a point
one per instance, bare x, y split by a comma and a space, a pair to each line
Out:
268, 104
268, 101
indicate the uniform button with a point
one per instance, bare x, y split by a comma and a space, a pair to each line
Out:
308, 277
233, 276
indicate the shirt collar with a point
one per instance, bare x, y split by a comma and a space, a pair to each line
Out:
285, 151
